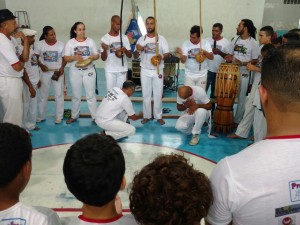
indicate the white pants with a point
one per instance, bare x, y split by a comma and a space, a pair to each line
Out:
246, 123
191, 124
58, 87
259, 125
117, 128
195, 81
244, 78
115, 79
88, 79
11, 103
152, 83
29, 108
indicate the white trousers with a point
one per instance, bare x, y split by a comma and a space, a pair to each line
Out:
152, 83
260, 123
117, 128
115, 79
58, 87
244, 78
29, 108
11, 103
192, 124
195, 81
246, 123
87, 78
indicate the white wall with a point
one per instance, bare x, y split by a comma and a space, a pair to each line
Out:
2, 4
175, 17
281, 16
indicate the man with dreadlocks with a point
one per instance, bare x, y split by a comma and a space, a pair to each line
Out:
245, 51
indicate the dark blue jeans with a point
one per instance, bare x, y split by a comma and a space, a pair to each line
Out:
211, 80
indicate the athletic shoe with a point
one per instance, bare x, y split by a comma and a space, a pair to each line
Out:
57, 121
194, 140
38, 120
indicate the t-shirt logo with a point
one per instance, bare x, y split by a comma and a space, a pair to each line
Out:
82, 50
240, 49
13, 221
111, 96
150, 48
33, 60
114, 47
50, 56
295, 190
193, 52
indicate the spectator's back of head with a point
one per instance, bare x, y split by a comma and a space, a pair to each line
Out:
292, 35
281, 76
170, 191
15, 152
94, 168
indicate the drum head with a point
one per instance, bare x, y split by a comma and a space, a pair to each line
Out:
83, 63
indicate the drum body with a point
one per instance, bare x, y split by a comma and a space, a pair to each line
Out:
136, 69
227, 89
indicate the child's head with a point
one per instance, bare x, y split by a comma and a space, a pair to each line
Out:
170, 191
15, 157
94, 169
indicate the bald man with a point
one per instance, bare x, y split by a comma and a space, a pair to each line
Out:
115, 67
196, 106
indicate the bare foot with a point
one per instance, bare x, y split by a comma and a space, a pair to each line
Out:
161, 121
144, 121
71, 120
234, 136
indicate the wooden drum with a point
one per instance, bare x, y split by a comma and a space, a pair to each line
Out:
227, 89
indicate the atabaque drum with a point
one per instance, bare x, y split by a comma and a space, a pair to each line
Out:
226, 90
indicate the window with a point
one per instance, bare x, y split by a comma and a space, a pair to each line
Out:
291, 2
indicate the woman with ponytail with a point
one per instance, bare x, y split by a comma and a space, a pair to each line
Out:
50, 59
78, 48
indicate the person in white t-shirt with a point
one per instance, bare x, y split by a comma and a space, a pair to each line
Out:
78, 48
193, 101
245, 50
170, 191
260, 184
50, 53
31, 78
94, 169
115, 54
220, 47
244, 127
195, 72
115, 109
15, 170
11, 69
150, 80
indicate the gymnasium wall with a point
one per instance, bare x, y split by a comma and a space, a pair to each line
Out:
175, 17
281, 16
2, 4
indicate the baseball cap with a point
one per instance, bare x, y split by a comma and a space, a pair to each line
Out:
29, 32
5, 15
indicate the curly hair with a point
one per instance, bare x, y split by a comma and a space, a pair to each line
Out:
170, 191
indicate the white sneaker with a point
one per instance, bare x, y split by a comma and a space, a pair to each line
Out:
57, 121
39, 120
194, 140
